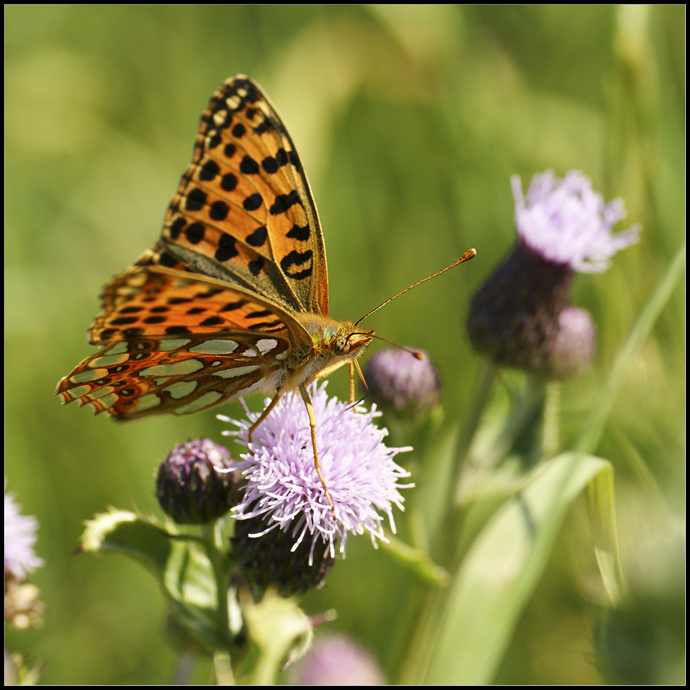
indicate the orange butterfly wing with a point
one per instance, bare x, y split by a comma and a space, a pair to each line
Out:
243, 212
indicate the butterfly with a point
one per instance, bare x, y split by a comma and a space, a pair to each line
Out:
233, 298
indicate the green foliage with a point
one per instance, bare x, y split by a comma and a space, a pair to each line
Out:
409, 121
180, 565
503, 566
191, 571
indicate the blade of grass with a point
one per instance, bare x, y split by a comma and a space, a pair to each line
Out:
593, 430
502, 568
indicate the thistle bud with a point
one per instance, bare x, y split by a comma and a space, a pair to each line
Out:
189, 486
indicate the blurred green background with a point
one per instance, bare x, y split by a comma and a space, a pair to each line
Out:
409, 121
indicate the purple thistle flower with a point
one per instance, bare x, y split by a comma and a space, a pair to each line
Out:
284, 490
516, 317
20, 537
567, 222
403, 384
338, 660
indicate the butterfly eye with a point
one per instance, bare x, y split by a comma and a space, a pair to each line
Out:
340, 345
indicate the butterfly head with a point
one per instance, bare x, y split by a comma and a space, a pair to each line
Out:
333, 343
350, 345
341, 345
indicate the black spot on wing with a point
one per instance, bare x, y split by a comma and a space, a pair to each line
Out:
229, 182
298, 232
208, 170
212, 321
284, 201
195, 233
252, 202
176, 227
256, 265
249, 166
226, 248
258, 237
195, 200
297, 265
219, 210
177, 330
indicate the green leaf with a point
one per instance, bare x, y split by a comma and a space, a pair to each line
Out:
505, 562
279, 632
125, 532
416, 561
178, 562
593, 430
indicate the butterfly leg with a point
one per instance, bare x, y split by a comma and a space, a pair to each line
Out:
263, 416
312, 426
352, 382
355, 364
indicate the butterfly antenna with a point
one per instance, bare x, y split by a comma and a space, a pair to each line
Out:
414, 353
469, 254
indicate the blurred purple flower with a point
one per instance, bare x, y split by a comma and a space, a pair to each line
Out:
20, 537
403, 384
337, 660
575, 344
517, 318
284, 489
567, 222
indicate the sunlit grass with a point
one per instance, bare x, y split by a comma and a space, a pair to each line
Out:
410, 122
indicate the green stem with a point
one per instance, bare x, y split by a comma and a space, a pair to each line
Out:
594, 429
483, 387
432, 605
522, 412
425, 607
223, 668
425, 615
213, 542
552, 411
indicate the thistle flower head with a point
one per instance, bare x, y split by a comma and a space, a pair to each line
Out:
566, 222
189, 486
283, 490
516, 318
401, 383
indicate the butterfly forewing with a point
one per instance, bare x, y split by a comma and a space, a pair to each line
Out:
243, 212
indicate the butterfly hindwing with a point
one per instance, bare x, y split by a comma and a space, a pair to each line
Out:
146, 376
161, 302
175, 342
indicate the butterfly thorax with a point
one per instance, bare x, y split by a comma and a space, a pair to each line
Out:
333, 344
